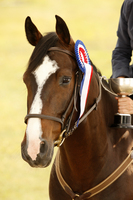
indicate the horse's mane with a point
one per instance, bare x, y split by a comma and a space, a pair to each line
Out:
97, 71
47, 41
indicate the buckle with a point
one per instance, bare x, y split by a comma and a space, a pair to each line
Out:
60, 140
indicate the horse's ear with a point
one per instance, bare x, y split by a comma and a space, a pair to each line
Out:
32, 33
62, 30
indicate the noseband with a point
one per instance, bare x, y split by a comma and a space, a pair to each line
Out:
66, 131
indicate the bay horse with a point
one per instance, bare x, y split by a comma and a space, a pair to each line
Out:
94, 160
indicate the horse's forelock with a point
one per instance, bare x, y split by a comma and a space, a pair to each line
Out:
40, 50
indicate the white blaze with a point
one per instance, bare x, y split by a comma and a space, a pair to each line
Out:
34, 129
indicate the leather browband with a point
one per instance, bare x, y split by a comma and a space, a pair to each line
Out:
63, 51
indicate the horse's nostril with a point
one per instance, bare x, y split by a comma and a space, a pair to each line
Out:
42, 147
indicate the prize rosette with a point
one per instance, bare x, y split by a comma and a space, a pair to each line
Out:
84, 64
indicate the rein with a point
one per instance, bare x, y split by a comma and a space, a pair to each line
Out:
98, 188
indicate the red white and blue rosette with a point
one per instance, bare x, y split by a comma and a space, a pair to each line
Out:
84, 64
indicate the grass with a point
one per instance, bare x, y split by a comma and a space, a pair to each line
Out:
94, 22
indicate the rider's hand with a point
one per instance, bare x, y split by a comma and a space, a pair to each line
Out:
125, 105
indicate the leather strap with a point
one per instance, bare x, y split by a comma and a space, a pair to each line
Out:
63, 51
42, 117
94, 106
98, 188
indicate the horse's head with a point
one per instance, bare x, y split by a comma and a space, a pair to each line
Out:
50, 80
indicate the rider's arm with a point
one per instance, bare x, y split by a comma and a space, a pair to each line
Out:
121, 56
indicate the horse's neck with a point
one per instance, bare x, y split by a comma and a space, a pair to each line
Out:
86, 148
83, 153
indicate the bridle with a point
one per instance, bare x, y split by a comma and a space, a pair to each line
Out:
66, 131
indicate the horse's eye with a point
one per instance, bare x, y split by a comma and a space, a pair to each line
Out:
65, 80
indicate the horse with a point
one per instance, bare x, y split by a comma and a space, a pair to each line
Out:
94, 159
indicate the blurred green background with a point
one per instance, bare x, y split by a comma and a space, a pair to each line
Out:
94, 22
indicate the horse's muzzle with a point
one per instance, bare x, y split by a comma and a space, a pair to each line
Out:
43, 158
